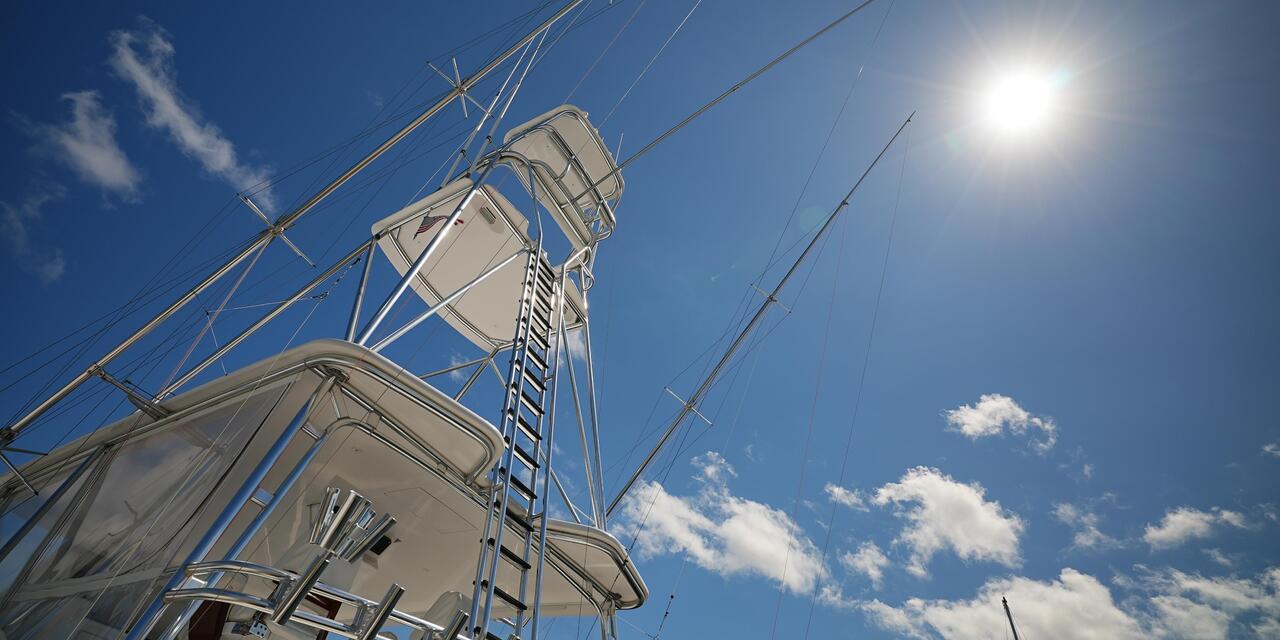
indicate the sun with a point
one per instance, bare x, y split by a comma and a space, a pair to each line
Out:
1021, 102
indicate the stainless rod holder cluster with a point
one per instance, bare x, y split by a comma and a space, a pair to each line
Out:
346, 528
283, 605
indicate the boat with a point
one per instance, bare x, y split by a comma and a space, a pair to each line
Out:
327, 489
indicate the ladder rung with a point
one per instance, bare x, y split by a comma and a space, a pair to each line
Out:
534, 380
530, 403
521, 487
541, 304
519, 518
539, 322
539, 341
536, 360
511, 556
529, 431
525, 456
509, 599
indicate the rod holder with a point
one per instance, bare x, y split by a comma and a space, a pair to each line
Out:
346, 528
456, 625
298, 591
382, 613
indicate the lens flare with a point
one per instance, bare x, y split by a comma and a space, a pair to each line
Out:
1021, 101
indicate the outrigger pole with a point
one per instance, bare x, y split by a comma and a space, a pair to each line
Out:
1005, 601
691, 405
283, 223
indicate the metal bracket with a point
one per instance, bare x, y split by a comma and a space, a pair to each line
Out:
771, 298
275, 229
688, 405
455, 81
17, 474
143, 403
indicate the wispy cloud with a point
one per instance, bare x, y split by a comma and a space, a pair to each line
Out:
868, 560
1219, 557
87, 144
1085, 523
47, 265
994, 414
943, 514
145, 58
1185, 523
575, 340
851, 498
722, 532
1272, 449
459, 375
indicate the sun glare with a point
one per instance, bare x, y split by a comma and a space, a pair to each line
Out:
1021, 102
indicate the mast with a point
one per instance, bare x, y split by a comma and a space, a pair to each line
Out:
283, 223
1005, 601
691, 405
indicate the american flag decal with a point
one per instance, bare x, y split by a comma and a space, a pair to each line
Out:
430, 221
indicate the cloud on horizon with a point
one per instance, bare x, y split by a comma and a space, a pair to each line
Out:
1076, 606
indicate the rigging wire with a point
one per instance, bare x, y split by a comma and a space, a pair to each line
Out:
727, 92
813, 414
769, 264
652, 60
605, 51
862, 375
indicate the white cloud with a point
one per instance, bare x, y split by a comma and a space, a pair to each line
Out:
1194, 606
722, 532
868, 560
576, 342
943, 514
1075, 606
851, 498
145, 59
460, 375
995, 413
1219, 557
87, 144
1184, 523
1179, 617
1085, 523
1272, 449
47, 265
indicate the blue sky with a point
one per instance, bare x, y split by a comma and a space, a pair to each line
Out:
1068, 389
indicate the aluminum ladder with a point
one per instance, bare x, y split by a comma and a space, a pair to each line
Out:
514, 501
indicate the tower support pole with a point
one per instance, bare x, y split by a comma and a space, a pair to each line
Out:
9, 433
692, 404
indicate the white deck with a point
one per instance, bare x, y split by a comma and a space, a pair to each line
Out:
415, 452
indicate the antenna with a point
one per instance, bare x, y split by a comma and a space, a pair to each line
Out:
1005, 601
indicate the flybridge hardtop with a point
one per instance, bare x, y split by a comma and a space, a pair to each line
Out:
327, 489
